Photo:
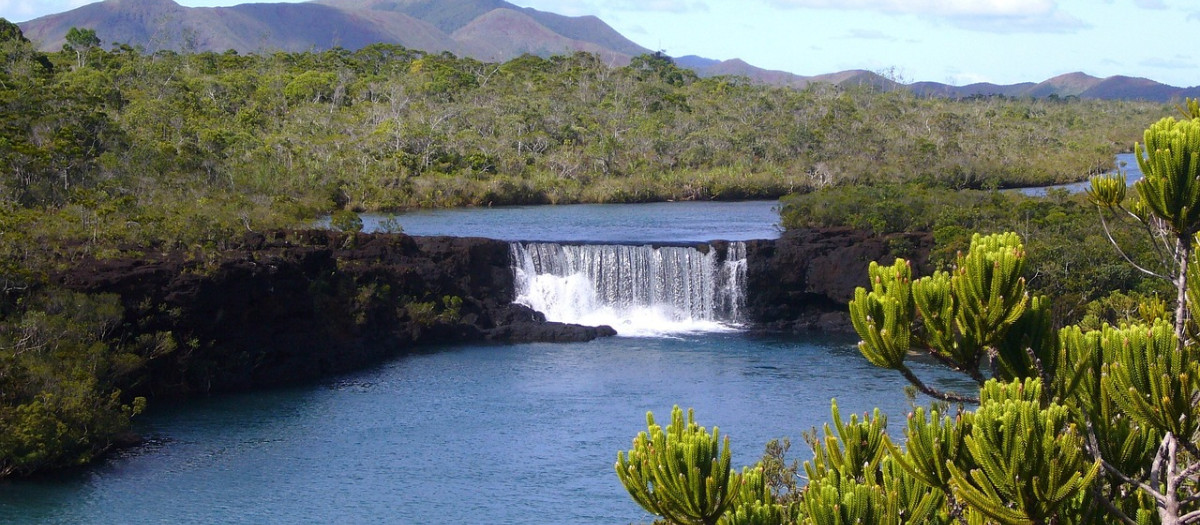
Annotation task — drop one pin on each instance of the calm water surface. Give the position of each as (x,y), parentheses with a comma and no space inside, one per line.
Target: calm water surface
(1126,163)
(520,434)
(598,223)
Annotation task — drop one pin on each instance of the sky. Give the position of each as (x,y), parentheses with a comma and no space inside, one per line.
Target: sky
(951,41)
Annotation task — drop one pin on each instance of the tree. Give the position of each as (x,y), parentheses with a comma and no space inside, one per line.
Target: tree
(1071,426)
(81,41)
(11,32)
(683,474)
(1124,395)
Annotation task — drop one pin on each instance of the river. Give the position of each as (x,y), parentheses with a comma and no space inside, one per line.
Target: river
(515,434)
(1126,163)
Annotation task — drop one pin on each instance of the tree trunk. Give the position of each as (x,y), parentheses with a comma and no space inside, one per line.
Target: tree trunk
(1183,251)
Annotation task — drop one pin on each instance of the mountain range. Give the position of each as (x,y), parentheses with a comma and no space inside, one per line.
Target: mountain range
(487,30)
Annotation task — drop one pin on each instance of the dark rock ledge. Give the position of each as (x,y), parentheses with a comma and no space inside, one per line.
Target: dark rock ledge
(288,307)
(804,280)
(291,306)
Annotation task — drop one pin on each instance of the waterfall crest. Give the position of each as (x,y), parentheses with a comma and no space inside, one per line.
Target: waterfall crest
(638,290)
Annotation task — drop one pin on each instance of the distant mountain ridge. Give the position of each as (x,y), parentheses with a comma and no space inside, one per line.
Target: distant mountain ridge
(487,30)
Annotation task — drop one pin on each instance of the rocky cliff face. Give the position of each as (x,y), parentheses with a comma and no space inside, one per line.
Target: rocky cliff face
(804,280)
(292,306)
(286,307)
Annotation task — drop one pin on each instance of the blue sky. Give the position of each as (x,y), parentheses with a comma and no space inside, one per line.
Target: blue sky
(951,41)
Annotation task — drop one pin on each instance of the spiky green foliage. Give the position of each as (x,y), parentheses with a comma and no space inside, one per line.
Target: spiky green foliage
(1107,190)
(883,316)
(755,505)
(841,500)
(852,478)
(1190,108)
(913,500)
(757,513)
(1122,399)
(1170,163)
(754,486)
(1193,296)
(681,473)
(964,312)
(931,444)
(851,449)
(961,317)
(1032,467)
(934,298)
(1124,445)
(990,289)
(896,499)
(1150,380)
(1030,349)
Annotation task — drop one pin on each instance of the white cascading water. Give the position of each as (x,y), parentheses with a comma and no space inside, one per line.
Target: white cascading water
(637,290)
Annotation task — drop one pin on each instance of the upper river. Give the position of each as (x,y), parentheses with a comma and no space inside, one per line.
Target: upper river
(597,223)
(515,434)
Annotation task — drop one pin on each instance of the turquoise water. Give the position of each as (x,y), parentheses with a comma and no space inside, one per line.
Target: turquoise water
(519,434)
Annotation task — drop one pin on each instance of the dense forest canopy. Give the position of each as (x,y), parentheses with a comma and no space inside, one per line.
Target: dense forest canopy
(155,146)
(117,151)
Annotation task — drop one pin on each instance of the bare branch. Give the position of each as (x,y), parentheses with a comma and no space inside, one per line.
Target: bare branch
(1121,252)
(1108,505)
(934,393)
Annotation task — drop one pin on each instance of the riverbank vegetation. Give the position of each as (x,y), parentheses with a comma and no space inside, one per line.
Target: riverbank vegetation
(1070,256)
(107,151)
(1058,426)
(133,146)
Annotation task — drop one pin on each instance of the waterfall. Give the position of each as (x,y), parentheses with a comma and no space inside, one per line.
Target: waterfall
(638,290)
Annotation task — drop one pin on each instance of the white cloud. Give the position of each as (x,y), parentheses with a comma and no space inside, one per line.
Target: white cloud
(562,7)
(958,78)
(668,6)
(870,34)
(598,7)
(1175,62)
(21,10)
(992,16)
(1057,22)
(1150,4)
(15,8)
(932,7)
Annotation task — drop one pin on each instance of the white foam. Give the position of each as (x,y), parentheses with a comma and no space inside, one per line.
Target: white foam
(640,291)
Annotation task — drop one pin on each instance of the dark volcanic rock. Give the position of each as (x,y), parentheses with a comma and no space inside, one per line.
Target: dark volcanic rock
(805,279)
(292,306)
(525,332)
(285,307)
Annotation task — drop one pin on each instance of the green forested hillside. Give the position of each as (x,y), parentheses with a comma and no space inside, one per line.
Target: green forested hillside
(160,146)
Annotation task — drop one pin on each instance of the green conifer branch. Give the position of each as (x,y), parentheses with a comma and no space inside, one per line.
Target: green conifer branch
(1031,460)
(1152,381)
(681,473)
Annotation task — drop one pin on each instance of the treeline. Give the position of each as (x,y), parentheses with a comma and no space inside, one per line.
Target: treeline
(1069,253)
(166,145)
(106,151)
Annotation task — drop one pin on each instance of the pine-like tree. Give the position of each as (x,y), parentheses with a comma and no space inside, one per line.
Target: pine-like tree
(681,473)
(1068,426)
(1074,426)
